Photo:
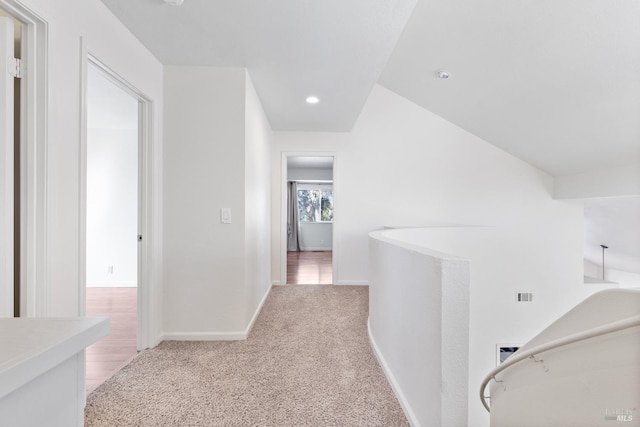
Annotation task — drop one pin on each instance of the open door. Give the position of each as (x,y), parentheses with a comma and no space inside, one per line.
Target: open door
(308,247)
(8,67)
(112,219)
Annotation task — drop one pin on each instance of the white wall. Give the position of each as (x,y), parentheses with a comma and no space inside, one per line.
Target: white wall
(204,172)
(112,206)
(624,279)
(316,236)
(258,141)
(402,165)
(419,327)
(505,260)
(612,182)
(320,174)
(592,270)
(216,156)
(112,183)
(110,41)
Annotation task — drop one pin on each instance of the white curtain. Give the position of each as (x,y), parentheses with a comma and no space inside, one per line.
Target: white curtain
(293,222)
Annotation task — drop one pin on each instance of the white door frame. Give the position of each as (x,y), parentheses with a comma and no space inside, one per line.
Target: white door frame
(145,310)
(283,210)
(7,158)
(33,162)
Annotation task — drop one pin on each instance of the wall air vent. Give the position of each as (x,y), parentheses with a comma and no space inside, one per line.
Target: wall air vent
(524,297)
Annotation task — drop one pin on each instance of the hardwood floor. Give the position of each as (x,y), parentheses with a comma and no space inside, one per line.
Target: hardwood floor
(309,268)
(112,353)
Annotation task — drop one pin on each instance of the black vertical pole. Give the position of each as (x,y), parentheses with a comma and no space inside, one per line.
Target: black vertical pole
(603,248)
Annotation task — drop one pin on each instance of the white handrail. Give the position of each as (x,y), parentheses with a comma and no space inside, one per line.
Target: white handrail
(619,325)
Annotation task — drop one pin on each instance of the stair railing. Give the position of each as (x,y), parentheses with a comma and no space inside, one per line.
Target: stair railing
(518,357)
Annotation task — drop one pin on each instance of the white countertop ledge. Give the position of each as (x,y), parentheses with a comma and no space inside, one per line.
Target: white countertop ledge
(31,346)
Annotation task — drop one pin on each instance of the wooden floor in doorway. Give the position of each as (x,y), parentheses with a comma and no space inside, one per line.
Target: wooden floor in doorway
(112,353)
(310,268)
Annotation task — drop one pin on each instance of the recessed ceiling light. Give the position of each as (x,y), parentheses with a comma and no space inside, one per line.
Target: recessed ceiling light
(312,100)
(443,74)
(174,2)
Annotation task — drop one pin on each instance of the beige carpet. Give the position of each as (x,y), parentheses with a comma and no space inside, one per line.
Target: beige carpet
(307,362)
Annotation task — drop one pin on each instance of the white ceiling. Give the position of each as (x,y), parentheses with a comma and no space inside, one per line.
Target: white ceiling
(333,49)
(554,82)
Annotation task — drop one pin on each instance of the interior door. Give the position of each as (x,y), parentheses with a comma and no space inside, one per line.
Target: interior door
(6,166)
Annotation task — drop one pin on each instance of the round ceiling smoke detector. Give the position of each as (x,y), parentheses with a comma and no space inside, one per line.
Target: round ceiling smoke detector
(443,74)
(174,2)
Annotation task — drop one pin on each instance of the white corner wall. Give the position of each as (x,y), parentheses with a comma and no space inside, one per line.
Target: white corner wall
(258,141)
(419,328)
(69,22)
(203,172)
(217,145)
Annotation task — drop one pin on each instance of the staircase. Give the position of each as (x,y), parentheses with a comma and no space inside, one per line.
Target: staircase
(582,370)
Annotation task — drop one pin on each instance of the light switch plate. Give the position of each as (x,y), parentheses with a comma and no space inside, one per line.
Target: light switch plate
(225,215)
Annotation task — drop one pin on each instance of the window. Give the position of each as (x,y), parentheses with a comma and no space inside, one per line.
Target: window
(315,204)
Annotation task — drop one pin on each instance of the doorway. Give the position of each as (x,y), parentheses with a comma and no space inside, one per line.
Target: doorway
(113,144)
(23,137)
(310,207)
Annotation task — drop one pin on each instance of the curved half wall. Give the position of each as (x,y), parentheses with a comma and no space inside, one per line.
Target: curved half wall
(419,327)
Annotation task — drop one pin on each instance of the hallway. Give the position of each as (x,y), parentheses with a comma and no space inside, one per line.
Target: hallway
(307,362)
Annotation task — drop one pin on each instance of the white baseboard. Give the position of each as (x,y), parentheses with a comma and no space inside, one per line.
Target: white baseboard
(340,283)
(316,249)
(406,408)
(353,282)
(204,336)
(257,312)
(112,284)
(218,336)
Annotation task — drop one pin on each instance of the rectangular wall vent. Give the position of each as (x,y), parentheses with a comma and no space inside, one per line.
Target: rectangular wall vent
(524,297)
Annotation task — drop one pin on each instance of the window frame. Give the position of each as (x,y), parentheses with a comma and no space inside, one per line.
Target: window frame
(318,186)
